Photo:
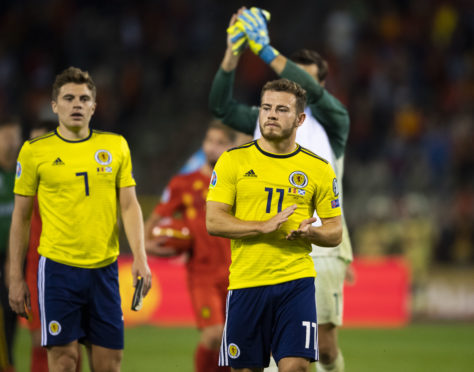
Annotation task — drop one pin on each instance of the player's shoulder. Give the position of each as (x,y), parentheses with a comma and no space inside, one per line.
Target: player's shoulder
(105,134)
(245,146)
(305,151)
(41,139)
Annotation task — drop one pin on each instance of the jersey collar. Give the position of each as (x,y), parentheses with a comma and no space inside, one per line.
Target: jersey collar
(72,141)
(279,156)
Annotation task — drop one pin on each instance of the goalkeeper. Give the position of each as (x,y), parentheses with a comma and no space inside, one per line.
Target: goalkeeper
(324,131)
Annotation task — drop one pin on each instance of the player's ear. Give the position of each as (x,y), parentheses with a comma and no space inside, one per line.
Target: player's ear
(54,106)
(93,107)
(300,119)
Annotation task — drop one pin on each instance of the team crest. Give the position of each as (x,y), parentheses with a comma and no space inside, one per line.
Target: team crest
(298,179)
(233,351)
(335,187)
(18,169)
(213,179)
(103,157)
(54,328)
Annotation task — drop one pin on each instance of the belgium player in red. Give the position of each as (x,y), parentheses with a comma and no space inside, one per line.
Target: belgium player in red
(178,223)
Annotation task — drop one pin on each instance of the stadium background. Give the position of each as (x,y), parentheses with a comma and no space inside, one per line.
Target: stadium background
(403,68)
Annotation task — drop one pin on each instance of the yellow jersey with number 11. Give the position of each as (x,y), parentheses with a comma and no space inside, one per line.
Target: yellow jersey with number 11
(258,185)
(76,183)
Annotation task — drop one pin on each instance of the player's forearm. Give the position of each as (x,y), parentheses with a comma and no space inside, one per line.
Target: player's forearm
(19,235)
(327,235)
(230,61)
(278,64)
(225,225)
(134,230)
(238,116)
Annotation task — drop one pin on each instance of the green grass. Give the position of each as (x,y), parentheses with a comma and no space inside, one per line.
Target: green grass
(416,348)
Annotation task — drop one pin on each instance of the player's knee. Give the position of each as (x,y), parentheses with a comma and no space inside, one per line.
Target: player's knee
(327,354)
(293,365)
(109,364)
(64,360)
(211,337)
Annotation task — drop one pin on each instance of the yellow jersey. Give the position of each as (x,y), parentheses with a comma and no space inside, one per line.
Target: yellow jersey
(258,185)
(76,183)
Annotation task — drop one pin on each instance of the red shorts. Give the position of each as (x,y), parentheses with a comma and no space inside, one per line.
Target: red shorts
(209,301)
(31,276)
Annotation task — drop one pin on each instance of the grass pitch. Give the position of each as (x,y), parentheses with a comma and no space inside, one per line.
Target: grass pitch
(415,348)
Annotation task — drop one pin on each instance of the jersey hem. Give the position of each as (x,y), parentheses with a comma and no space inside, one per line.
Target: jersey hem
(91,266)
(266,283)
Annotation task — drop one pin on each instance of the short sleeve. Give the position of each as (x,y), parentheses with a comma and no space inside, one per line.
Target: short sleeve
(125,175)
(327,199)
(223,181)
(26,180)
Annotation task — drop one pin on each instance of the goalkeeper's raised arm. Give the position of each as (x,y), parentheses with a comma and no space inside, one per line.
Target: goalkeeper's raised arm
(223,106)
(305,67)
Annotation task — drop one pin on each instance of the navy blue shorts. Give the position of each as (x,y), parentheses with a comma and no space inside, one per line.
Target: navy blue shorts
(79,304)
(279,318)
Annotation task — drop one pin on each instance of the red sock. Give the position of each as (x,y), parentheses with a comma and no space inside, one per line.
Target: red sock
(205,360)
(39,360)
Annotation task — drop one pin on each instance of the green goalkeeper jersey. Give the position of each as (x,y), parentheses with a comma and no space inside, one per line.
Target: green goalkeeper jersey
(325,131)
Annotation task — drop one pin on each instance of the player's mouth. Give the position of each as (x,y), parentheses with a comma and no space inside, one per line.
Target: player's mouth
(77,115)
(271,125)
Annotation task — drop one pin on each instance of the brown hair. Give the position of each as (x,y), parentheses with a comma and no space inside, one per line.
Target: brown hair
(310,57)
(229,132)
(73,75)
(285,85)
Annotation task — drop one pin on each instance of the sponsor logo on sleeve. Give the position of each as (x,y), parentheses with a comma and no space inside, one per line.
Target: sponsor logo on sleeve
(335,187)
(18,169)
(335,203)
(213,182)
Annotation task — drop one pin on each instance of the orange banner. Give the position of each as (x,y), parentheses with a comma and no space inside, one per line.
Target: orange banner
(380,296)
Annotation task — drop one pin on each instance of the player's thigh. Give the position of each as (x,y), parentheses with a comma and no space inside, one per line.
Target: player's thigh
(295,328)
(31,277)
(329,289)
(104,321)
(247,334)
(208,299)
(62,294)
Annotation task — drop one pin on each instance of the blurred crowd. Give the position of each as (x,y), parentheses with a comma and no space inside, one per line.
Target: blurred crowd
(404,69)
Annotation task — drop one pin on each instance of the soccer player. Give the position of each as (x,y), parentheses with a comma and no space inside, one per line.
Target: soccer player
(10,142)
(263,195)
(325,132)
(79,176)
(39,356)
(208,264)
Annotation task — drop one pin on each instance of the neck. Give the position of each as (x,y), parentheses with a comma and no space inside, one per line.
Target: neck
(73,135)
(206,169)
(284,146)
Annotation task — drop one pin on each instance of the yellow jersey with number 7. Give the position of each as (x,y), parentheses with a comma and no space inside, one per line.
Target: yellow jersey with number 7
(76,183)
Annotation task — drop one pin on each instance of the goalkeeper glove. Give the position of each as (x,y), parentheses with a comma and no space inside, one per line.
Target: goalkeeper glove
(254,22)
(237,37)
